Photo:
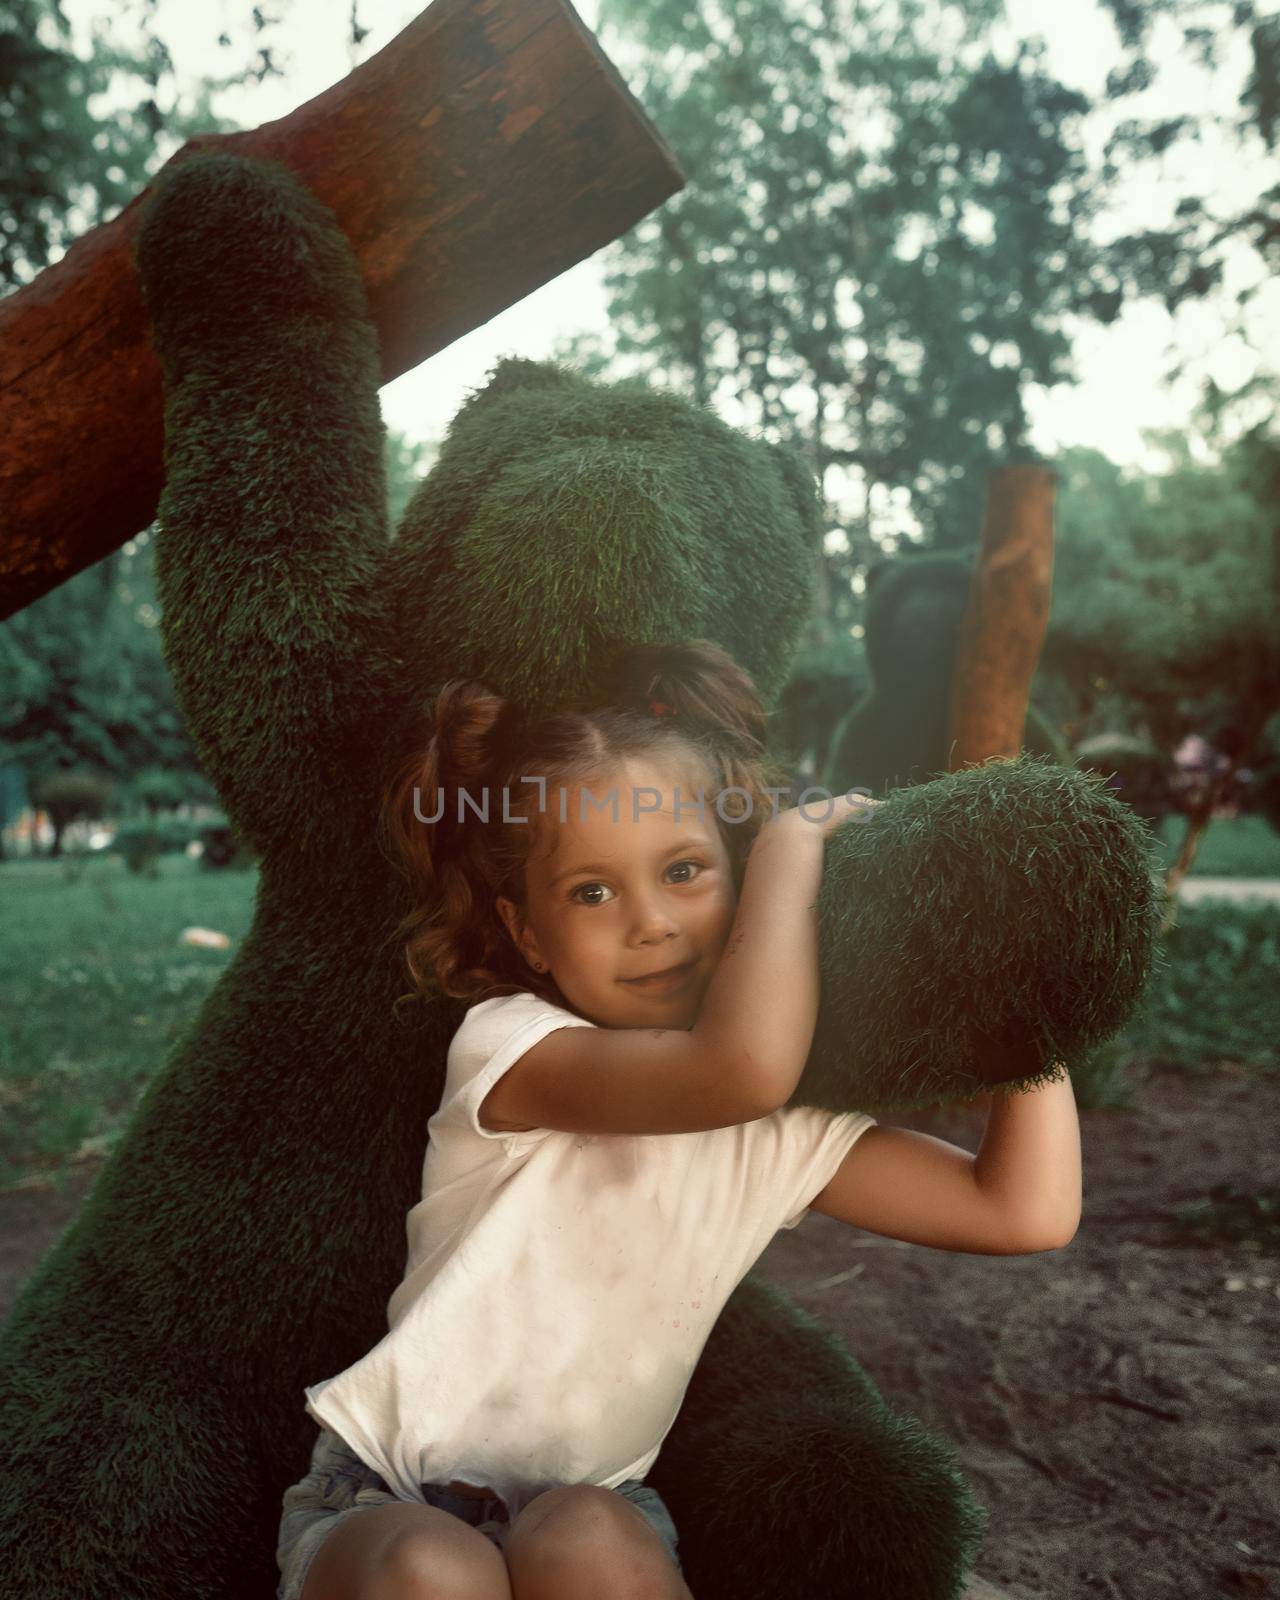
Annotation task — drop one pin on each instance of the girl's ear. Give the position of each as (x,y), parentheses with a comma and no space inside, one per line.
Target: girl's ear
(521,936)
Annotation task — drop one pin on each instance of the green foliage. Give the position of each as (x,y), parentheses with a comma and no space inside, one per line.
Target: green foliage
(70,796)
(157,789)
(1216,995)
(83,679)
(408,462)
(1165,586)
(1187,259)
(1166,590)
(879,213)
(141,844)
(65,165)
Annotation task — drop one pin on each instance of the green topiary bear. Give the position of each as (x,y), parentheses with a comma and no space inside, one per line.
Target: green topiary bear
(243,1239)
(895,734)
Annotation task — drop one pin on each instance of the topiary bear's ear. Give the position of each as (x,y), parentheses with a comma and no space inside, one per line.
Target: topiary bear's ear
(518,372)
(802,486)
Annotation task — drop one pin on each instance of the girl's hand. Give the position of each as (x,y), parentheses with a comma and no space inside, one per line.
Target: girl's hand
(843,807)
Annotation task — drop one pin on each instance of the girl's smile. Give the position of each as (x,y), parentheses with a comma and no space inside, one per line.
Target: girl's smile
(667,978)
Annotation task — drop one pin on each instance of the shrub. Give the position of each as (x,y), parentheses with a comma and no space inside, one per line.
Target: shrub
(1215,993)
(1135,771)
(223,847)
(141,844)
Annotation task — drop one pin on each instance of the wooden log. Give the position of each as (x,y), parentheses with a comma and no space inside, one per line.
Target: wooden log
(487,148)
(1005,620)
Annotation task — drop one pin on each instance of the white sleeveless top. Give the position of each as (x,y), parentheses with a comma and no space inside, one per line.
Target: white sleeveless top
(559,1287)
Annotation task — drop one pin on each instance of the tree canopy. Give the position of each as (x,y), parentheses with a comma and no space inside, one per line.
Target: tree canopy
(68,164)
(882,233)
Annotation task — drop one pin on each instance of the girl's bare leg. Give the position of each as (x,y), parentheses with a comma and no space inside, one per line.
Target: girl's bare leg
(406,1552)
(580,1542)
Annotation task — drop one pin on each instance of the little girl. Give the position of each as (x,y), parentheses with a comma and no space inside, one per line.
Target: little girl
(615,890)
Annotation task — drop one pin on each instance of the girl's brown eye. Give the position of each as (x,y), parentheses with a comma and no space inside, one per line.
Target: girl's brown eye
(574,893)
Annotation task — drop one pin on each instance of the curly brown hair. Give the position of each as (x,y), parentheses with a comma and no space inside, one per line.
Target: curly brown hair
(484,745)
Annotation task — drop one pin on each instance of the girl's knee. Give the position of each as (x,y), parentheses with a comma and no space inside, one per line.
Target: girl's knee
(583,1541)
(431,1563)
(405,1552)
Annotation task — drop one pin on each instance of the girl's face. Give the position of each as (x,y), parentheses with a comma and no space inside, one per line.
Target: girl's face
(614,900)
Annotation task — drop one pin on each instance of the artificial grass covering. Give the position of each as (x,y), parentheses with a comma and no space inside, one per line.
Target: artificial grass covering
(975,931)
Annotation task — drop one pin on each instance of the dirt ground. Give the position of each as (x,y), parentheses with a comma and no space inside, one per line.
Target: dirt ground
(1114,1404)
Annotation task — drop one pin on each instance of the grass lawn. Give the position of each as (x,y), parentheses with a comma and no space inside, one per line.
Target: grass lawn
(95,985)
(1231,847)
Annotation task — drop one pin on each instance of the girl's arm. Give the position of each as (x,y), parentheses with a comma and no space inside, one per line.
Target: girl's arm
(758,1016)
(1020,1193)
(742,1057)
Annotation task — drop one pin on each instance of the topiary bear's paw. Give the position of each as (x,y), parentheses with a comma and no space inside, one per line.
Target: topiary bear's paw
(977,931)
(231,250)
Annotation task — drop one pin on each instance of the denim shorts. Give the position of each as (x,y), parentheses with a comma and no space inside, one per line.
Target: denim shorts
(338,1484)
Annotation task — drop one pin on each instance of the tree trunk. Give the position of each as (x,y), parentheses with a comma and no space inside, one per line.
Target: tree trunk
(486,149)
(1002,634)
(1005,621)
(1197,822)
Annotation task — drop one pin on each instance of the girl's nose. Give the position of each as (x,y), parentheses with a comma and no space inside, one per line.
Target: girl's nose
(653,920)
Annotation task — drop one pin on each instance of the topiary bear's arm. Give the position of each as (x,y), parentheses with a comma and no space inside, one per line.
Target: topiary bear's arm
(273,518)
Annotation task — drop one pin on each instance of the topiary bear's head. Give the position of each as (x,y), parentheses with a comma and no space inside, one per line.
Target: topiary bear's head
(566,516)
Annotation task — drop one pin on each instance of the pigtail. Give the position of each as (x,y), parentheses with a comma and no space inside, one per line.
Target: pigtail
(450,926)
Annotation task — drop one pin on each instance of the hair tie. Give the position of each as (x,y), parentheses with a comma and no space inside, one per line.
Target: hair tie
(659,708)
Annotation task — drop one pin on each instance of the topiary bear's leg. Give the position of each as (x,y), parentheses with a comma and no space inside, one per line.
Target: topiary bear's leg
(241,1240)
(787,1475)
(137,1472)
(273,517)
